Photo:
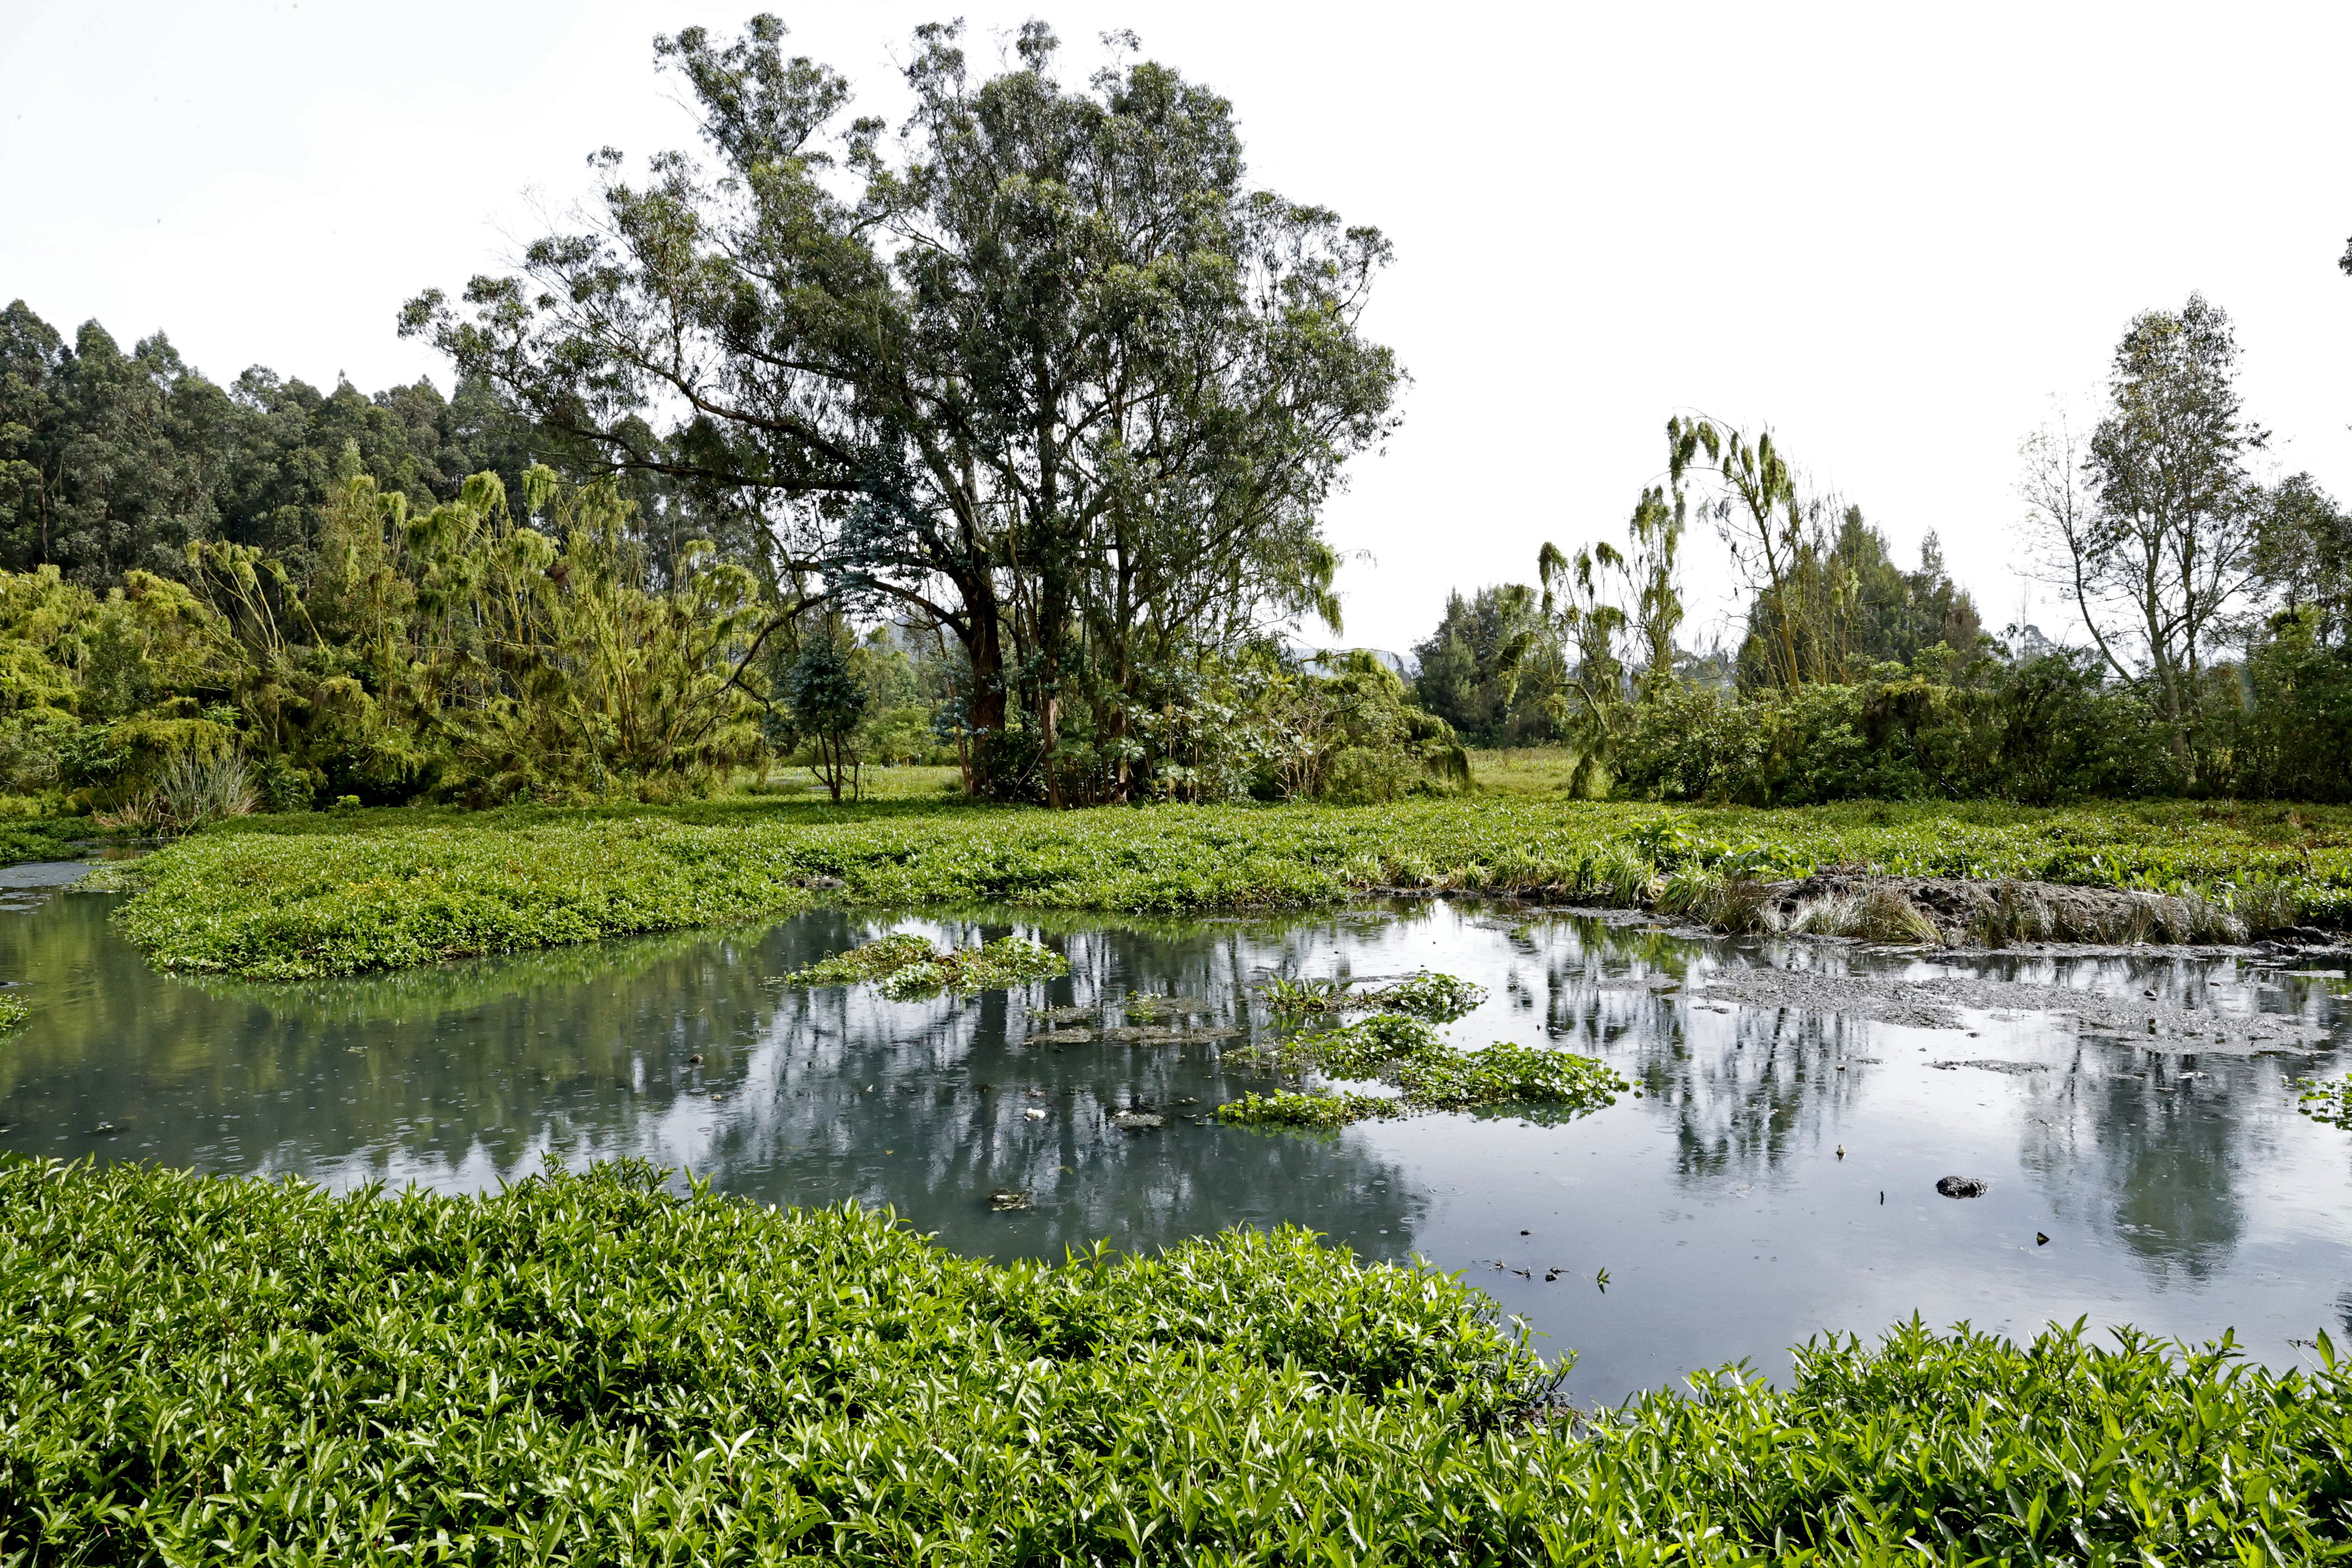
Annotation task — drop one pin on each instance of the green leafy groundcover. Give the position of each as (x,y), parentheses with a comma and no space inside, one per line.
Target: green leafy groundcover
(302,896)
(581,1369)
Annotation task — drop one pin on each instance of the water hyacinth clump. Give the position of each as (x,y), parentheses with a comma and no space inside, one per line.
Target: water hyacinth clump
(1441,999)
(12,1013)
(1369,1047)
(1410,1054)
(1507,1074)
(1286,1108)
(907,968)
(2330,1101)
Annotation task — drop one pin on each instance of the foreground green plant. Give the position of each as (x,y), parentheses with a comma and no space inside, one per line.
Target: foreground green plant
(908,967)
(585,1369)
(12,1013)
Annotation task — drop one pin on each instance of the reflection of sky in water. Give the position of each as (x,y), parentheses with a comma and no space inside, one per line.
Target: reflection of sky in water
(2180,1193)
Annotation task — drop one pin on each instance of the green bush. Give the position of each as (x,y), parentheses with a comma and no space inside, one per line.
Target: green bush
(584,1370)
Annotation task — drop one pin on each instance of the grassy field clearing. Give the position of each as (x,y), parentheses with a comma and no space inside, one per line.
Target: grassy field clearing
(281,898)
(584,1370)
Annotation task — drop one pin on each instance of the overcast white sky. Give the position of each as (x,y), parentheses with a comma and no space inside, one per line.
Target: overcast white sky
(1891,232)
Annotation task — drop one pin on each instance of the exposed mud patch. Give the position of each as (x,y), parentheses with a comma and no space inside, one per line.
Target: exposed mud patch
(1939,1003)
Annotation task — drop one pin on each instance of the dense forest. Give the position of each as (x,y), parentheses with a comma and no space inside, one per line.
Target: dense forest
(1005,441)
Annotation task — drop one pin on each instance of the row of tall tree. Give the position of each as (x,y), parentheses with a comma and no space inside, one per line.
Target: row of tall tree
(1035,386)
(2214,609)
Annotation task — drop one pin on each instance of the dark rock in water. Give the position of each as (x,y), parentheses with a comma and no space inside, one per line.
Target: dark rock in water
(1962,1187)
(1006,1199)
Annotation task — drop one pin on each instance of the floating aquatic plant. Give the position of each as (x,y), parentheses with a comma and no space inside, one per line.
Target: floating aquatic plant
(1441,999)
(1286,1108)
(2330,1101)
(907,968)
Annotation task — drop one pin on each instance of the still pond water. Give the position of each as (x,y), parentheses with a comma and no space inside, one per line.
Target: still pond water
(2180,1193)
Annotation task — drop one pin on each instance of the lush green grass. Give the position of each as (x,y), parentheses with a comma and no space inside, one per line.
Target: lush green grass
(585,1371)
(1523,770)
(910,781)
(295,897)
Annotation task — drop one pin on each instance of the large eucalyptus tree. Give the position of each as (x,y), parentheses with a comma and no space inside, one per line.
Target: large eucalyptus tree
(1039,368)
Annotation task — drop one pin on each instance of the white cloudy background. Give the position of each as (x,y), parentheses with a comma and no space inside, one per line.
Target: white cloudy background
(1892,232)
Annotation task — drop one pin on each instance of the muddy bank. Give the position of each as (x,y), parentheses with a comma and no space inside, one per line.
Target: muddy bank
(1993,915)
(1940,1003)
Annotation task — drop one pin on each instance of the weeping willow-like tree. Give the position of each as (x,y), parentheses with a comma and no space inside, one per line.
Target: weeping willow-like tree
(470,652)
(1604,604)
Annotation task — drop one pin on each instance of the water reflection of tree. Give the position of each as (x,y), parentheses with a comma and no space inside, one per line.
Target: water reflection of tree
(1737,1112)
(466,1076)
(2122,1139)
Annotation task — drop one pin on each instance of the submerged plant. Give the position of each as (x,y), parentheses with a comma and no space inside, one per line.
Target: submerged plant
(1285,1108)
(909,968)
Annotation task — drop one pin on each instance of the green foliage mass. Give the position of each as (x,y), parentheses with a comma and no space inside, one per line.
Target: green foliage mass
(1441,999)
(1409,1053)
(1370,1048)
(2330,1103)
(906,966)
(12,1013)
(298,896)
(1322,1112)
(583,1369)
(1507,1074)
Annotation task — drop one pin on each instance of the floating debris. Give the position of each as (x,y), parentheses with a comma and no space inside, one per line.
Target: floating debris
(1136,1121)
(1005,1200)
(1963,1187)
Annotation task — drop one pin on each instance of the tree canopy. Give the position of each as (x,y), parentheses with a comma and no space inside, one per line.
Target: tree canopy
(1041,368)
